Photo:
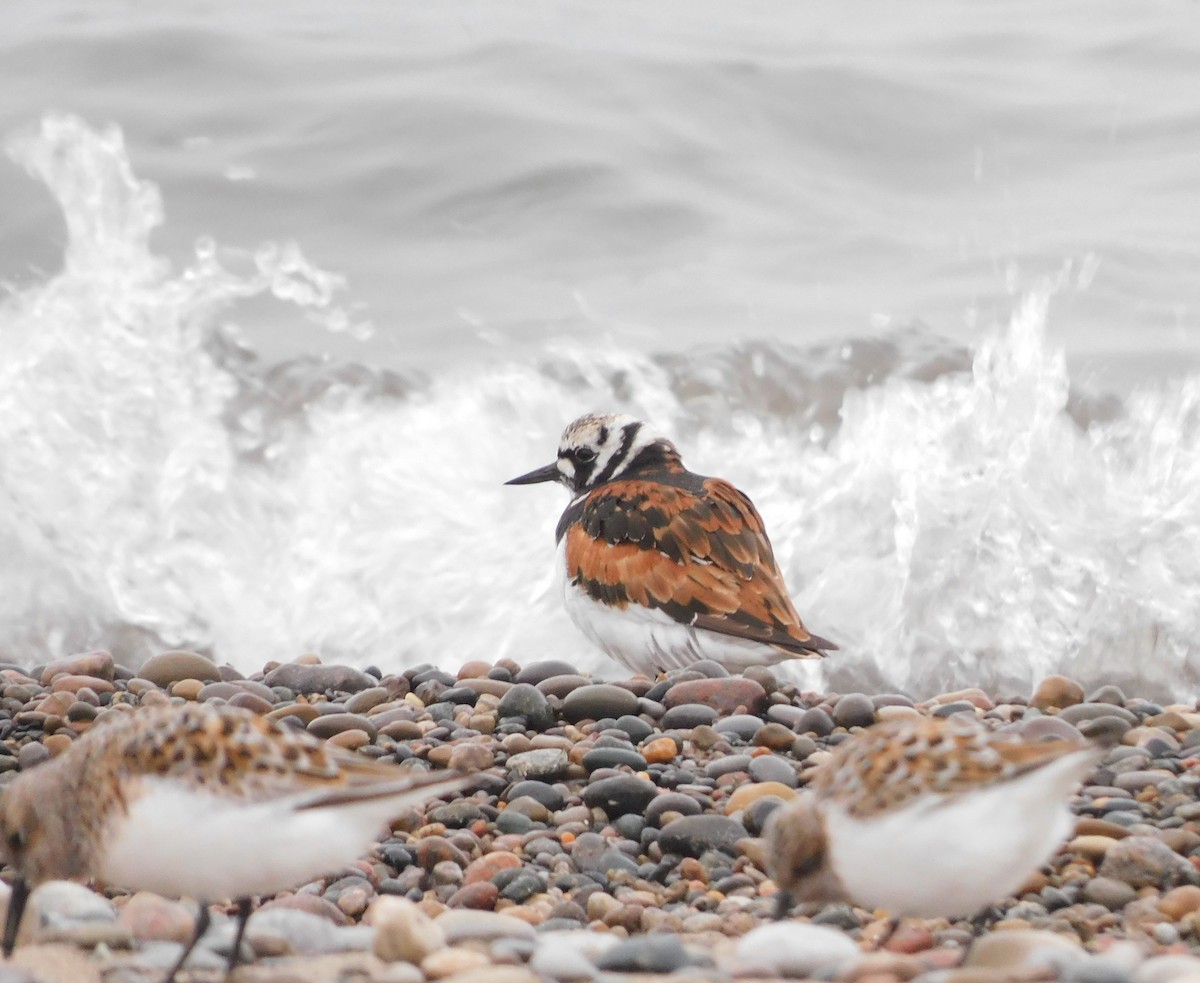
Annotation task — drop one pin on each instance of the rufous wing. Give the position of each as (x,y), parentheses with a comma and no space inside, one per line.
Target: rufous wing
(700,554)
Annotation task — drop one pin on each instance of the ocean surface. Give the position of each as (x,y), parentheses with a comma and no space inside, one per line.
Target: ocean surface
(291,289)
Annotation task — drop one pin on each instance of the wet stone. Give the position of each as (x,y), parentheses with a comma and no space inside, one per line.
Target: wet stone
(814,721)
(172,667)
(613,757)
(539,763)
(727,696)
(527,702)
(772,768)
(637,729)
(536,672)
(693,835)
(547,795)
(301,678)
(598,700)
(741,725)
(685,805)
(1143,861)
(687,716)
(645,954)
(854,710)
(619,795)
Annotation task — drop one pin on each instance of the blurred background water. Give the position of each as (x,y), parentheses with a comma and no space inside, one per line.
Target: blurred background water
(293,288)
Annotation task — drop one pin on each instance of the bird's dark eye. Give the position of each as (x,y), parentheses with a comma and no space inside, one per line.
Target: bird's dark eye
(584,454)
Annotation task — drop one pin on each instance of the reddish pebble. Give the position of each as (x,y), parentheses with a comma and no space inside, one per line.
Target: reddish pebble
(725,695)
(910,938)
(480,896)
(662,750)
(487,867)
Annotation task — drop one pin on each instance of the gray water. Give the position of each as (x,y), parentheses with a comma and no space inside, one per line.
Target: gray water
(293,288)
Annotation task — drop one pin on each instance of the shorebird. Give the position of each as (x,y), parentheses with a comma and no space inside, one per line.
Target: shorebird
(929,817)
(661,567)
(208,802)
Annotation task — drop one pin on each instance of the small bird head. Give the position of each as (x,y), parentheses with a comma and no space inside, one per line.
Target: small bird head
(601,447)
(36,839)
(796,855)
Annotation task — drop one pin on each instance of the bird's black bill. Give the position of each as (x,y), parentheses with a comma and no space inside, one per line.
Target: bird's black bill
(548,473)
(16,908)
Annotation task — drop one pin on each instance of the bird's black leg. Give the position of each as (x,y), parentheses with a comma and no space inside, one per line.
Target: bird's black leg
(202,920)
(16,908)
(243,916)
(783,904)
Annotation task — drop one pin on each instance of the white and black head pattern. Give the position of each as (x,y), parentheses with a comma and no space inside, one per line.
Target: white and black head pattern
(598,448)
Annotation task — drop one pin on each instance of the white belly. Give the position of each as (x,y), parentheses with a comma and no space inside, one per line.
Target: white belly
(953,857)
(647,640)
(179,842)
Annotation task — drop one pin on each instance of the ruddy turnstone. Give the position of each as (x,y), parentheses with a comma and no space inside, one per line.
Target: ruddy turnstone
(927,816)
(208,802)
(662,567)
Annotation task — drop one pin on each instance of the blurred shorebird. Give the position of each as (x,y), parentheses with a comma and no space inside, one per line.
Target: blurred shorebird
(661,567)
(928,817)
(208,802)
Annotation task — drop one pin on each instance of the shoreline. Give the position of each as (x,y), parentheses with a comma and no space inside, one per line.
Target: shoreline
(615,829)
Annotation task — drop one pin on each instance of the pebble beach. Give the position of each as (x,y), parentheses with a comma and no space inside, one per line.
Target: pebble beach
(614,833)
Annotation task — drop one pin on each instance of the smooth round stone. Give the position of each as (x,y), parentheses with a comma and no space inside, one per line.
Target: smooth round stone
(741,725)
(326,725)
(546,794)
(591,852)
(1091,711)
(560,686)
(1113,894)
(777,737)
(726,764)
(1180,902)
(1025,950)
(251,702)
(814,720)
(31,755)
(726,696)
(744,795)
(955,706)
(637,729)
(471,758)
(522,887)
(539,763)
(1113,695)
(756,814)
(515,822)
(795,950)
(597,701)
(619,795)
(99,664)
(661,750)
(1056,693)
(1042,728)
(772,768)
(688,715)
(463,925)
(172,667)
(645,954)
(854,710)
(479,897)
(1143,861)
(403,932)
(367,699)
(302,678)
(456,815)
(613,757)
(73,684)
(685,805)
(536,672)
(149,916)
(693,835)
(524,700)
